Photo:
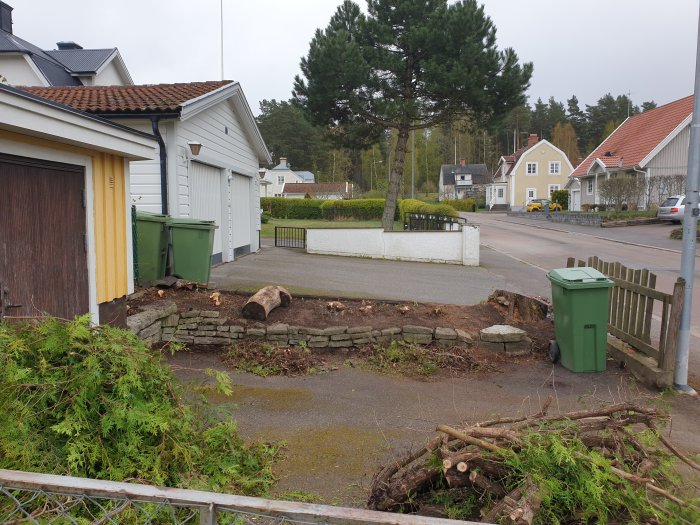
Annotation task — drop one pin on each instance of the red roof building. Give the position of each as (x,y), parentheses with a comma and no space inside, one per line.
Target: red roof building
(653,144)
(318,190)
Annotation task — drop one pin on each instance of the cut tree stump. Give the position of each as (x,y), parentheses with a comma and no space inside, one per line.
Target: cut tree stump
(264,301)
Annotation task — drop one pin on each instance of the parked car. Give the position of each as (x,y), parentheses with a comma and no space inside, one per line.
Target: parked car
(540,204)
(672,209)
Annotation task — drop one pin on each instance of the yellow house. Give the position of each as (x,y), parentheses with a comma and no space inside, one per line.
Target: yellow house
(65,225)
(532,172)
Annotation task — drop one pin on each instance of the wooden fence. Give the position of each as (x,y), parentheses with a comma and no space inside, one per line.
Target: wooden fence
(632,305)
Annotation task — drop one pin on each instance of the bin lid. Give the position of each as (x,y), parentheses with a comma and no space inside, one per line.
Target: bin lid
(583,277)
(195,224)
(150,216)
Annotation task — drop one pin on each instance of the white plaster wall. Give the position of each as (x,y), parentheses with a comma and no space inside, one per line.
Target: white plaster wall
(352,242)
(443,247)
(18,72)
(438,247)
(109,76)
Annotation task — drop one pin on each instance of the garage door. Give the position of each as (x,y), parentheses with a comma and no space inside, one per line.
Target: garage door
(43,260)
(205,199)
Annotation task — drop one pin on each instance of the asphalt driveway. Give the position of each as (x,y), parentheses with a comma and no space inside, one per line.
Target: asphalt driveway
(326,275)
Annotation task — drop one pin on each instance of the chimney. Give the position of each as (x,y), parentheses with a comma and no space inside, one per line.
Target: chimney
(532,139)
(65,45)
(283,162)
(462,162)
(5,17)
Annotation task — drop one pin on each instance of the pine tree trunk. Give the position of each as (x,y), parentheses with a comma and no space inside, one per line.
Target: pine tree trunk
(392,193)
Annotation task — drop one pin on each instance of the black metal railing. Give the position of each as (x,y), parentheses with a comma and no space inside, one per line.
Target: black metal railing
(416,221)
(289,237)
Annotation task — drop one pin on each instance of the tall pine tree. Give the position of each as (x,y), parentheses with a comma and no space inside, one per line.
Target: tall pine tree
(406,66)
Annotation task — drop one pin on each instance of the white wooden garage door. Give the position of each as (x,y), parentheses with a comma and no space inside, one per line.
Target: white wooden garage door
(205,199)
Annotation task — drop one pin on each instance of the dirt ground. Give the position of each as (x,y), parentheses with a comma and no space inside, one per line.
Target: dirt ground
(337,421)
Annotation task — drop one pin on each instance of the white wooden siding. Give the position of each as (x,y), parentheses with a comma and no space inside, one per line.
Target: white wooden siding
(145,174)
(673,159)
(205,198)
(224,145)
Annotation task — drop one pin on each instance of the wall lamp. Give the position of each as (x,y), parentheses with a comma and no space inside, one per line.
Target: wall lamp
(195,147)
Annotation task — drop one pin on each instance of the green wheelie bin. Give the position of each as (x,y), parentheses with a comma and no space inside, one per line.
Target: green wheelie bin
(192,243)
(151,245)
(581,314)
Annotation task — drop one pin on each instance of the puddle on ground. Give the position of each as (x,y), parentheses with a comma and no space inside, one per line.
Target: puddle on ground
(334,463)
(272,399)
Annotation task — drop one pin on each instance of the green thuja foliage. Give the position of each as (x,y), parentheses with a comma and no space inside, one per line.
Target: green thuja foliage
(96,402)
(576,482)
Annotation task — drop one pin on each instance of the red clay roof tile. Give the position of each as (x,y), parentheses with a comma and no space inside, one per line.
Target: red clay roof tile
(637,136)
(156,98)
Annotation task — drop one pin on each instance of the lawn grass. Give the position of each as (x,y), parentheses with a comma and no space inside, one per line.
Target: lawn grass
(268,230)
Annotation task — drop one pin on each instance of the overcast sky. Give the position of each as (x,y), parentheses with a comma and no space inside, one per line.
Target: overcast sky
(582,47)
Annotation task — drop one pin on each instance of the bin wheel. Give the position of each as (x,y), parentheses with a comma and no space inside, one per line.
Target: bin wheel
(553,351)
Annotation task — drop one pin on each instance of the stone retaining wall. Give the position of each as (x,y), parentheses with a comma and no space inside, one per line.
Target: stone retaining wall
(570,217)
(162,322)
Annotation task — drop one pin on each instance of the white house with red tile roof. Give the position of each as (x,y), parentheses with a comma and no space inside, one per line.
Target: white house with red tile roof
(532,172)
(217,182)
(653,145)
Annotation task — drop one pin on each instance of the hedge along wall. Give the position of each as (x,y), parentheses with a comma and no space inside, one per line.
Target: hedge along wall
(416,206)
(282,208)
(360,209)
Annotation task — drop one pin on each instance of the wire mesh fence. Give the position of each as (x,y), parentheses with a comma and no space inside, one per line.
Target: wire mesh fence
(29,498)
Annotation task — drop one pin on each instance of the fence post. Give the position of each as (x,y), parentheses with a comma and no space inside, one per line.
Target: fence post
(207,515)
(667,357)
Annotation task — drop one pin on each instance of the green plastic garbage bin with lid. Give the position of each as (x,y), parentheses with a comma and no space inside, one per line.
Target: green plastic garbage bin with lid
(151,245)
(192,243)
(581,313)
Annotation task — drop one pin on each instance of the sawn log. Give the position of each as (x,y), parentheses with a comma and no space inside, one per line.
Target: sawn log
(264,301)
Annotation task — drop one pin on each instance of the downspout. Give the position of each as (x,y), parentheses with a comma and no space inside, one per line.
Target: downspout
(163,165)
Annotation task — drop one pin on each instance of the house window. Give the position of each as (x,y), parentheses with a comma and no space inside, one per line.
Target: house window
(531,168)
(589,187)
(280,179)
(552,188)
(554,168)
(500,193)
(531,194)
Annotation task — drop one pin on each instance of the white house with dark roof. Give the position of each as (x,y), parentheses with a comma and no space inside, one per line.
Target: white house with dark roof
(459,181)
(24,64)
(209,156)
(282,174)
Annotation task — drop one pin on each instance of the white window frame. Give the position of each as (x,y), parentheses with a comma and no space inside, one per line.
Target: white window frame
(530,193)
(554,167)
(552,188)
(528,167)
(499,192)
(589,187)
(280,179)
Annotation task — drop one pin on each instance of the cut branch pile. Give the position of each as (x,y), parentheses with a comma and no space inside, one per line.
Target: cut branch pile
(605,465)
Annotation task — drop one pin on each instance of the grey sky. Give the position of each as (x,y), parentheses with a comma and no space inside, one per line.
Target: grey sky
(582,47)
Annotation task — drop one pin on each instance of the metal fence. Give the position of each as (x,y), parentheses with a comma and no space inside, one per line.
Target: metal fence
(26,497)
(415,221)
(289,237)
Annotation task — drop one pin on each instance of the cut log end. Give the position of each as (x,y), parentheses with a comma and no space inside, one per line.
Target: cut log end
(264,301)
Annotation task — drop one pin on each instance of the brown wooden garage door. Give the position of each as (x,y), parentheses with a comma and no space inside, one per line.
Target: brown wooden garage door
(43,260)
